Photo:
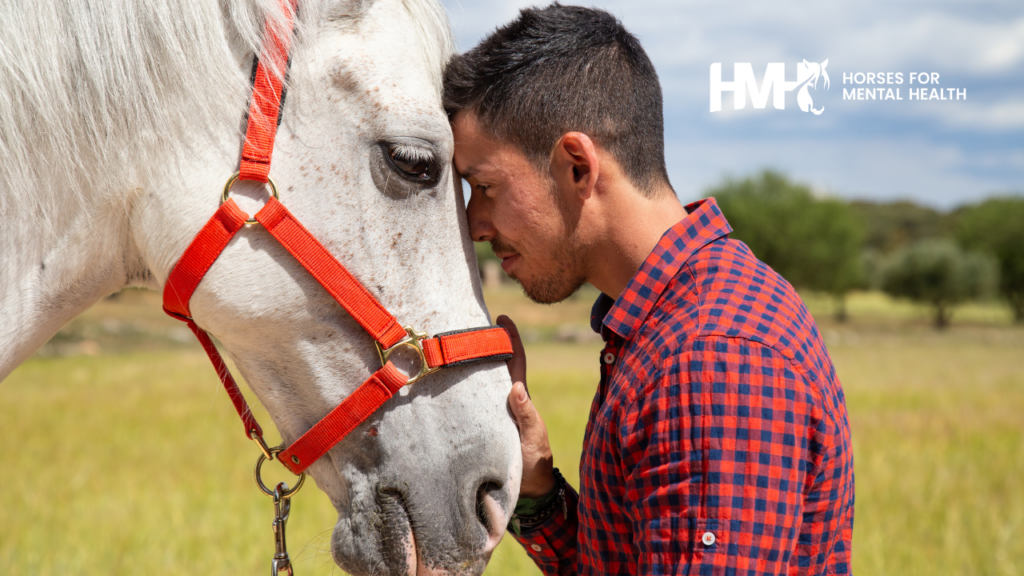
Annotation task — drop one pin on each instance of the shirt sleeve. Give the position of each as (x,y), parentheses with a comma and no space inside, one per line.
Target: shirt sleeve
(717,454)
(552,544)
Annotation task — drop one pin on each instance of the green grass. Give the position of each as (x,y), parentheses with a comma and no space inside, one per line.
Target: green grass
(122,455)
(136,465)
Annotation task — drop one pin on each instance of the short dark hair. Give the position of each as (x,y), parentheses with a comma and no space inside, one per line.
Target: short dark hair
(562,69)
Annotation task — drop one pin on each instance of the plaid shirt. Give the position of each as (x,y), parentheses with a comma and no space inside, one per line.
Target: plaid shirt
(718,441)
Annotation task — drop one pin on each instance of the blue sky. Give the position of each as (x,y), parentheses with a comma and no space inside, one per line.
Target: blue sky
(938,153)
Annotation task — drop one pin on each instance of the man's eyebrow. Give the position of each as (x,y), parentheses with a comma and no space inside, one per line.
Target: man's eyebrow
(468,173)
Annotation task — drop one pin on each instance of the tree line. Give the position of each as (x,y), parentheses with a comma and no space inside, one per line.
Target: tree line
(828,245)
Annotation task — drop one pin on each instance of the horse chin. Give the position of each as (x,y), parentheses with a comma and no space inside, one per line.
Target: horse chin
(391,547)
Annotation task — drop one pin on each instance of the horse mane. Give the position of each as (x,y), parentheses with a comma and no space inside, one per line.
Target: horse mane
(101,96)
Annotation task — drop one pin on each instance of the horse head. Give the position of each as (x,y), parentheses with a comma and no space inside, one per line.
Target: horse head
(362,159)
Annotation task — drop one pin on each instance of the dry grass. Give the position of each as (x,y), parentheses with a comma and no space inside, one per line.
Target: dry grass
(131,461)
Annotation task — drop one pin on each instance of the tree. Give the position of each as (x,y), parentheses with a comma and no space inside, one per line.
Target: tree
(940,274)
(813,243)
(996,227)
(893,225)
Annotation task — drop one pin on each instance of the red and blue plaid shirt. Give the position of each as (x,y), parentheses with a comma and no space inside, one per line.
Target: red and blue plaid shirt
(718,441)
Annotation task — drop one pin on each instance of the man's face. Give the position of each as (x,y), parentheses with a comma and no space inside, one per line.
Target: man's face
(516,208)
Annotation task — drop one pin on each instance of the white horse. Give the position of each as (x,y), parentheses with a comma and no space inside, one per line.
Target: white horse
(120,122)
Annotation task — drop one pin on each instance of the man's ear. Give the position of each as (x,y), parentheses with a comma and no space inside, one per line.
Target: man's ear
(575,165)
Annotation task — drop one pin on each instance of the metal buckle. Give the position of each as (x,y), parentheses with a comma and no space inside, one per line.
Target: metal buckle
(413,341)
(233,179)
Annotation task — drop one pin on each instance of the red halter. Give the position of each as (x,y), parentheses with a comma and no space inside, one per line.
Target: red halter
(449,349)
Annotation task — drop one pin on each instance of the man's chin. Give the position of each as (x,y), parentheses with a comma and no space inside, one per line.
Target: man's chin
(549,290)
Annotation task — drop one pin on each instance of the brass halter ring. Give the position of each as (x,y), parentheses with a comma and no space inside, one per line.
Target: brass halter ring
(411,341)
(234,178)
(259,481)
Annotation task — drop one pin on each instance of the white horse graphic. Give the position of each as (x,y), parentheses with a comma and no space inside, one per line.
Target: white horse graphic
(119,123)
(807,75)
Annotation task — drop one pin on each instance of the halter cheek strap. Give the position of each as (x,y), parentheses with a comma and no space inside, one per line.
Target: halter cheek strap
(451,349)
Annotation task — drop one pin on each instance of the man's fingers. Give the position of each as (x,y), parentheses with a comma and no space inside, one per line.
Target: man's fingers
(537,461)
(522,407)
(538,478)
(517,365)
(532,431)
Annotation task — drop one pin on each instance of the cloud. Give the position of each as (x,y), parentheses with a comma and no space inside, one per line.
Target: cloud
(1004,116)
(933,41)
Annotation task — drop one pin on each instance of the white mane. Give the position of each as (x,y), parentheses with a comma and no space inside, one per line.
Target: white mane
(99,95)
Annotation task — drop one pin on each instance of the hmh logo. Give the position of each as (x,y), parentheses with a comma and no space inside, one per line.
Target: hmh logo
(775,84)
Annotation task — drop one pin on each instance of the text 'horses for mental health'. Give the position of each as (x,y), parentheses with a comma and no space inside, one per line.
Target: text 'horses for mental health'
(120,122)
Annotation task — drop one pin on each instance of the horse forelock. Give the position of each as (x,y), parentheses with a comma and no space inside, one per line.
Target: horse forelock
(102,97)
(435,35)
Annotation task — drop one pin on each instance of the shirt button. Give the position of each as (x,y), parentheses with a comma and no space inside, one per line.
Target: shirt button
(609,358)
(536,547)
(708,538)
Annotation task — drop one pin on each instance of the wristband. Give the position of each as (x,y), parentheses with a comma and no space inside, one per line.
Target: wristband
(532,512)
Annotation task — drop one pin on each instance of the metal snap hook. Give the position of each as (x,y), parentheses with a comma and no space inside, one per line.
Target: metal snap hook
(282,508)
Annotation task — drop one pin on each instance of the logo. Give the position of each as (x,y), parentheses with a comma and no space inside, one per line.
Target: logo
(774,85)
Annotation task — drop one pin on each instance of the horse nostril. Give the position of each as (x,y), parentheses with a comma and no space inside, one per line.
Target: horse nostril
(485,511)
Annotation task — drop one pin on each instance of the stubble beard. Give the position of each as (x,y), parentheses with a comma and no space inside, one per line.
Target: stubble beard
(568,271)
(563,281)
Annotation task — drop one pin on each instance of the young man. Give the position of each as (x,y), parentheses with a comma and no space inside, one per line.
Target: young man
(718,440)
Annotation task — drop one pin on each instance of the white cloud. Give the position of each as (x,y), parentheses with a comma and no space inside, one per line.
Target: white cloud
(1003,116)
(1005,51)
(932,42)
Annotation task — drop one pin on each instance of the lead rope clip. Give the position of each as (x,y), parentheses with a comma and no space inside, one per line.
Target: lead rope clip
(282,506)
(282,496)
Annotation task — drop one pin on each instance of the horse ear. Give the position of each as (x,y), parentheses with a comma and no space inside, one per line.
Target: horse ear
(825,63)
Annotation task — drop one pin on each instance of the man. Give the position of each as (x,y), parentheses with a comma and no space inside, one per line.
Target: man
(718,440)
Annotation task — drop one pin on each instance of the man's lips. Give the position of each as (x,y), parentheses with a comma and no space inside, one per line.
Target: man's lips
(507,260)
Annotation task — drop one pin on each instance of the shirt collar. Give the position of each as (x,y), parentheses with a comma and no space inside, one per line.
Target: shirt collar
(704,223)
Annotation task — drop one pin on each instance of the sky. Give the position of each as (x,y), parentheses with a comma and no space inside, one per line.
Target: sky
(939,153)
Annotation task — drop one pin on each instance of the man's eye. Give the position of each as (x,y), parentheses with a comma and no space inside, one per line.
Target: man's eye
(414,163)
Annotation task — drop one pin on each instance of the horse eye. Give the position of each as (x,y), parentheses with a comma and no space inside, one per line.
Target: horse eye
(415,164)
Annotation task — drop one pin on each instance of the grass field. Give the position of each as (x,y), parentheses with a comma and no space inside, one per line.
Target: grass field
(122,455)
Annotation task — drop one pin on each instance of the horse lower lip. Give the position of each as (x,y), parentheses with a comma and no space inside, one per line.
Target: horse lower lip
(398,539)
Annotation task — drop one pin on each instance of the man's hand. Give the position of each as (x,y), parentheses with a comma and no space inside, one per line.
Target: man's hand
(538,478)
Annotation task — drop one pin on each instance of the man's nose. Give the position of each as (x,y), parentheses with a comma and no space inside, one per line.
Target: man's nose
(481,228)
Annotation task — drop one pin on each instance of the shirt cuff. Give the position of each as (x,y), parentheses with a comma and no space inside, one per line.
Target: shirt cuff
(552,544)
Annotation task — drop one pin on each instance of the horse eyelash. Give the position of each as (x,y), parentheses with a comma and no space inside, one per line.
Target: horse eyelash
(410,153)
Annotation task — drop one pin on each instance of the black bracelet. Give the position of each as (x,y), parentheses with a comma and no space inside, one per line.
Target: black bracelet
(531,513)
